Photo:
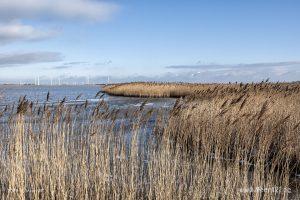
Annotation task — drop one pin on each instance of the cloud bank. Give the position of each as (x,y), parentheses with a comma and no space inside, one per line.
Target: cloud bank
(59,10)
(91,10)
(239,66)
(276,71)
(13,32)
(17,59)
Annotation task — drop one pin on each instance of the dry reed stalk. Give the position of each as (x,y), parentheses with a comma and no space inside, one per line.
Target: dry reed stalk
(94,152)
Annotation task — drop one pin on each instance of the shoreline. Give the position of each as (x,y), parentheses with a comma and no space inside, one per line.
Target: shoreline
(194,90)
(153,90)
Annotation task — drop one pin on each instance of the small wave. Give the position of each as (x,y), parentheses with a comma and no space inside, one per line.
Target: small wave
(140,104)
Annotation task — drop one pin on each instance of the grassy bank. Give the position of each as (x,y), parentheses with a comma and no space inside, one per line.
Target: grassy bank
(221,142)
(148,89)
(141,89)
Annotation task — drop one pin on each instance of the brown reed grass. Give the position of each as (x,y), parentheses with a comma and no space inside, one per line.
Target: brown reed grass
(235,142)
(153,89)
(141,89)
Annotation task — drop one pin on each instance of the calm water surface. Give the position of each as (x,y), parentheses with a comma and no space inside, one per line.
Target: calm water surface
(10,94)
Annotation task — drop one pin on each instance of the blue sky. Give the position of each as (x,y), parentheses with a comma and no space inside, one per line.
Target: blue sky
(196,41)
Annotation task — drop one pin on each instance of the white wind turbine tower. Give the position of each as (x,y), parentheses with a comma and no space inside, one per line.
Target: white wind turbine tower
(38,80)
(108,79)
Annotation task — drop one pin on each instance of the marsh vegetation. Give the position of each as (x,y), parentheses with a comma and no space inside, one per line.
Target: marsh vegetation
(231,141)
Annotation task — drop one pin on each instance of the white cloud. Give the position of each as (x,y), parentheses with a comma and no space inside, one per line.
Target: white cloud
(237,66)
(91,10)
(276,71)
(280,71)
(17,59)
(12,32)
(20,10)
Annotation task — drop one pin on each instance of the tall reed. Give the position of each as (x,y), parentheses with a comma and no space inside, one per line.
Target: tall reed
(243,145)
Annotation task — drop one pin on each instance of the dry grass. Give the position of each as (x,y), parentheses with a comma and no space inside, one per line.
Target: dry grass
(152,89)
(141,89)
(218,143)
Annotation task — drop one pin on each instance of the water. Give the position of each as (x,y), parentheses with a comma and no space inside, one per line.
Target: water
(10,94)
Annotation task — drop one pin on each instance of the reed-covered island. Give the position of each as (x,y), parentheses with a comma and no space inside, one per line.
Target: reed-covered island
(218,141)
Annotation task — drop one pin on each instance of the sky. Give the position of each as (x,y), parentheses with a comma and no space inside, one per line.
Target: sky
(133,40)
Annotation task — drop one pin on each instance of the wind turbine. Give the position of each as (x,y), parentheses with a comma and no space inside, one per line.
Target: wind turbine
(108,79)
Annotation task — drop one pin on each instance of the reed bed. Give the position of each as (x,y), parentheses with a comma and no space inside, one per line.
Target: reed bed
(141,89)
(177,90)
(222,142)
